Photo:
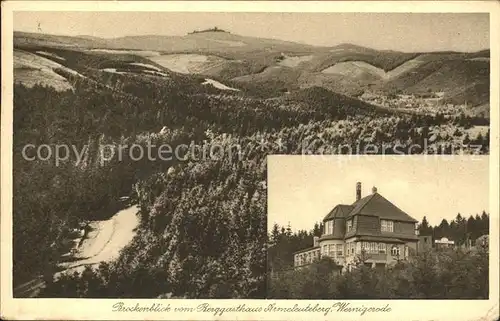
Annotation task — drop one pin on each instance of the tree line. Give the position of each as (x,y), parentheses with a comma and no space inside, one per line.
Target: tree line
(450,274)
(460,230)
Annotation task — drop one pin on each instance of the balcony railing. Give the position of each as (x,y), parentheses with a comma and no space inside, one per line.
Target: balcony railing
(376,256)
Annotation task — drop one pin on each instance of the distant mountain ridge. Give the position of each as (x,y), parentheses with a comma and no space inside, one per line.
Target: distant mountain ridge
(286,66)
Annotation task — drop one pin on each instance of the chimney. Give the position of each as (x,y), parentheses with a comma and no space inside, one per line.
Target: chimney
(358,191)
(315,241)
(374,190)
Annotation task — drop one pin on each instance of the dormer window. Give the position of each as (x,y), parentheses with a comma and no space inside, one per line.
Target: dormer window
(349,225)
(329,227)
(386,226)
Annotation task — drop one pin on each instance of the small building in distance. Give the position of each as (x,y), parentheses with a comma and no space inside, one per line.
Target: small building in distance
(371,227)
(214,29)
(444,243)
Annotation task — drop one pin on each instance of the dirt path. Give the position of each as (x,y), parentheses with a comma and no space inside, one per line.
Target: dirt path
(103,244)
(105,241)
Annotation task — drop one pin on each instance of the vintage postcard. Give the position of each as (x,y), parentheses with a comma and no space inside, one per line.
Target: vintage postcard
(250,161)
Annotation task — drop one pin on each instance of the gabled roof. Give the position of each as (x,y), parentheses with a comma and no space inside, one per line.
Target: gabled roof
(377,205)
(339,211)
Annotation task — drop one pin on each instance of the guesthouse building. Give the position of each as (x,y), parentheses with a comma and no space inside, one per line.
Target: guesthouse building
(371,229)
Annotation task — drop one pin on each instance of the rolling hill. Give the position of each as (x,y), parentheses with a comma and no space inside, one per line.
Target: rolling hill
(281,66)
(317,98)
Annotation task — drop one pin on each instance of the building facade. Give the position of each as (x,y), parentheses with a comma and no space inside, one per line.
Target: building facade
(372,230)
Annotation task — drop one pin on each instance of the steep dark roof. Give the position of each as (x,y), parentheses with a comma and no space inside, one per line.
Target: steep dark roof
(376,204)
(339,211)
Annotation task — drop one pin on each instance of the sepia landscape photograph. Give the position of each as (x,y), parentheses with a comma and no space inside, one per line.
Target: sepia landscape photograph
(378,228)
(142,144)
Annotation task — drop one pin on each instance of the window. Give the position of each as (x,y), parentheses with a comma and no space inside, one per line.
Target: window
(364,246)
(340,250)
(395,250)
(373,247)
(387,226)
(406,252)
(328,228)
(349,225)
(324,250)
(416,229)
(331,250)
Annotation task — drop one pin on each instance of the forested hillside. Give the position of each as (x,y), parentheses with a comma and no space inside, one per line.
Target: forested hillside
(435,275)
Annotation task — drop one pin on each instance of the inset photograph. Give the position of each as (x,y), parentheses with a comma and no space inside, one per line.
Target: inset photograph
(370,227)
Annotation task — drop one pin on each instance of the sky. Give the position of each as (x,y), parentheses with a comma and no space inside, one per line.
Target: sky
(408,32)
(303,189)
